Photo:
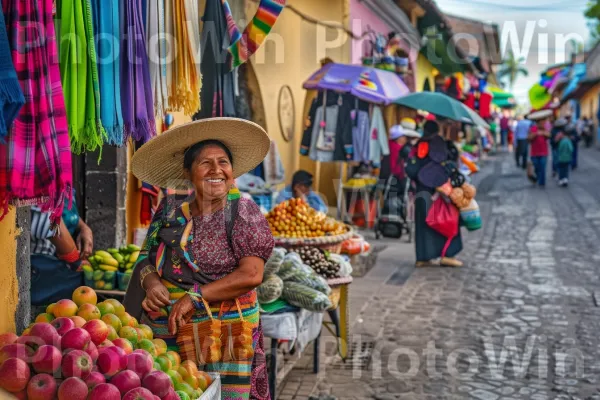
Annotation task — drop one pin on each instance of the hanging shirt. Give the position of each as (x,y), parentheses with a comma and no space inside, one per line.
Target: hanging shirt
(378,146)
(360,135)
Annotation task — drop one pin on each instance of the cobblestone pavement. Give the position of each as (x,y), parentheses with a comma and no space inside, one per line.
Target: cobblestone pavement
(519,321)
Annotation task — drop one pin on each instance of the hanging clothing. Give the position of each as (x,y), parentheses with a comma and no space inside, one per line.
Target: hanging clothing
(274,173)
(79,74)
(107,32)
(11,96)
(136,88)
(341,125)
(378,146)
(35,163)
(361,135)
(156,18)
(485,105)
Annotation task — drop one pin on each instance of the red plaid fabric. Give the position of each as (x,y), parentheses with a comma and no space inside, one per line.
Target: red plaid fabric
(35,164)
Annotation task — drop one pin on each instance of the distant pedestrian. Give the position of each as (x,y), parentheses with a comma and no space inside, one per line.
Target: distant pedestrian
(587,130)
(565,157)
(521,135)
(504,130)
(559,128)
(538,139)
(571,131)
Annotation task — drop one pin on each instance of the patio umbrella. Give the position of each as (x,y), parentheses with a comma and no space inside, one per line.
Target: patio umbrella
(443,106)
(369,84)
(539,97)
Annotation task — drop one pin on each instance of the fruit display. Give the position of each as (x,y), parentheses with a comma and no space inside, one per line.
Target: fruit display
(85,350)
(317,259)
(294,218)
(106,265)
(360,182)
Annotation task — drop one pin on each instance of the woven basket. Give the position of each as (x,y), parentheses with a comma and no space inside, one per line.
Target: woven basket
(332,244)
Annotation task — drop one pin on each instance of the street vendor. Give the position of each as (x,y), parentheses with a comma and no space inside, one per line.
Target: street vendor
(210,249)
(301,188)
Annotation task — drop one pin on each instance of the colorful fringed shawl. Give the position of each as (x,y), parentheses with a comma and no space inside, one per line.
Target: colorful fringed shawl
(35,164)
(157,53)
(79,75)
(136,87)
(11,96)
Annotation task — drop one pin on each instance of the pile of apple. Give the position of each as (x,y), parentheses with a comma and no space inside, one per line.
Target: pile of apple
(83,350)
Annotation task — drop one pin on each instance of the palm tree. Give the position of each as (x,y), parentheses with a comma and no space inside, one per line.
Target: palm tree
(512,68)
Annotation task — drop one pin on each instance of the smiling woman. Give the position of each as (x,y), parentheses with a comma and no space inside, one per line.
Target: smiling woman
(210,250)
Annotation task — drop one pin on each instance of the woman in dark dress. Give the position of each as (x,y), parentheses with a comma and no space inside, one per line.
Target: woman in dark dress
(430,165)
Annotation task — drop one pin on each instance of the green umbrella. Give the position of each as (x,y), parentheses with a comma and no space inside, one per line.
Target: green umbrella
(442,106)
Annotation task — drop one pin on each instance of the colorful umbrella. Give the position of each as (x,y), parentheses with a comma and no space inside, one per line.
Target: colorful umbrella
(539,97)
(369,84)
(443,106)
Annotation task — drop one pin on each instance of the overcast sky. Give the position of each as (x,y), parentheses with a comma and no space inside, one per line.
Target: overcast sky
(561,17)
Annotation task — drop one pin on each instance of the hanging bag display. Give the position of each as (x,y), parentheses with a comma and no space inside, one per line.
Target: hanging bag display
(201,341)
(326,139)
(236,337)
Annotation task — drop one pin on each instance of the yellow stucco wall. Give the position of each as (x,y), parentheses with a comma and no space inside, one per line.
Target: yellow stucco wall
(425,70)
(9,292)
(589,103)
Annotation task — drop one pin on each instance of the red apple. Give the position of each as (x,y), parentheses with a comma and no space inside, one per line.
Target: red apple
(64,308)
(171,395)
(22,395)
(156,397)
(14,375)
(140,363)
(84,295)
(95,379)
(33,342)
(47,360)
(16,350)
(124,344)
(46,332)
(111,361)
(79,322)
(77,339)
(41,387)
(105,391)
(73,389)
(97,329)
(92,350)
(158,383)
(139,394)
(76,363)
(63,325)
(7,338)
(125,381)
(106,343)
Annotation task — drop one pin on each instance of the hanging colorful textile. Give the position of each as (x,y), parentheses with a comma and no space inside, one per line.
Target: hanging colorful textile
(244,45)
(11,96)
(35,164)
(107,33)
(157,55)
(136,88)
(80,75)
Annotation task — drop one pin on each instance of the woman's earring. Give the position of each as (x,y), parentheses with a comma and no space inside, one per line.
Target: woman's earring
(234,193)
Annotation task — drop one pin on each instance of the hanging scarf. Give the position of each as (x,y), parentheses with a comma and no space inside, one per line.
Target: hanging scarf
(186,79)
(136,88)
(11,96)
(107,33)
(80,75)
(35,164)
(244,45)
(157,54)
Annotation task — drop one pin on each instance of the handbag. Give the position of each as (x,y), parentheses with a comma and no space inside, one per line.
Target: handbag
(201,341)
(236,337)
(325,138)
(443,218)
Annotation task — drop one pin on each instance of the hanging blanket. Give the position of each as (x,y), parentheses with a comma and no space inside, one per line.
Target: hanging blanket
(35,164)
(79,75)
(107,33)
(11,96)
(136,87)
(185,94)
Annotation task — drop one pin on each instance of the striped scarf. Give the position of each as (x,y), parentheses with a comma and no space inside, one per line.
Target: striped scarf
(35,164)
(11,96)
(79,75)
(244,45)
(157,52)
(107,33)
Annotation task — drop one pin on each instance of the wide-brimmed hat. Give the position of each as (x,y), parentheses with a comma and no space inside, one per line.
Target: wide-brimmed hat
(409,126)
(160,161)
(561,123)
(539,115)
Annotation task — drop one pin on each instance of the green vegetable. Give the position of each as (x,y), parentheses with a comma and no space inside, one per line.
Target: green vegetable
(301,296)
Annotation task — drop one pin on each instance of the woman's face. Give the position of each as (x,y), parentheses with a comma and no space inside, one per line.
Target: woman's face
(212,173)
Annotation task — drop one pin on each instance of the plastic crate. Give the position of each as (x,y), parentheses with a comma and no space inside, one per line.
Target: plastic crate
(123,281)
(263,200)
(101,280)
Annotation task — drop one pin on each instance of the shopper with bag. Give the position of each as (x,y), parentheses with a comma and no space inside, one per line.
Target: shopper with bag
(437,237)
(538,138)
(204,257)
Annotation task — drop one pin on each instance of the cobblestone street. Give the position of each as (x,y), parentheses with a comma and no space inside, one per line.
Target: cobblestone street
(519,321)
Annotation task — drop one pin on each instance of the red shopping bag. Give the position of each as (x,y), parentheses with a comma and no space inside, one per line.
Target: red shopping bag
(443,218)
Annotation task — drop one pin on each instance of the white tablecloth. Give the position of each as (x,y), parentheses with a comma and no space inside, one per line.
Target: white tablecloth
(301,327)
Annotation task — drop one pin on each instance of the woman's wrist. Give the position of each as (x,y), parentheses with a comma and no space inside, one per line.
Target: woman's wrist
(71,257)
(147,274)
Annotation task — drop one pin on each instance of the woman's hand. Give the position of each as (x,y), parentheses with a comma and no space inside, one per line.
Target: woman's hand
(85,240)
(176,317)
(157,297)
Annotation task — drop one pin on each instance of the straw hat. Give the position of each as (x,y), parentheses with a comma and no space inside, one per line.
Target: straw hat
(409,126)
(160,161)
(539,115)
